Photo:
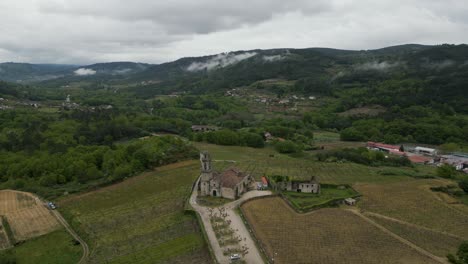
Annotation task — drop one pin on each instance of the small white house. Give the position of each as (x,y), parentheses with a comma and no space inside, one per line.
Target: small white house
(350,201)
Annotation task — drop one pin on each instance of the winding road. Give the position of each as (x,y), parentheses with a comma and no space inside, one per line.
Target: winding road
(67,227)
(253,255)
(74,235)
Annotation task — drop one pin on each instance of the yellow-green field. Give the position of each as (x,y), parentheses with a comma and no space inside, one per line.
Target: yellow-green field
(140,220)
(436,222)
(330,235)
(414,202)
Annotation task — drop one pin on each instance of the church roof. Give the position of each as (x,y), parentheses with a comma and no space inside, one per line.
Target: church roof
(230,177)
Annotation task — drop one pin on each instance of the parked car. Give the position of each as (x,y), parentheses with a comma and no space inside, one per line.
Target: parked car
(234,257)
(51,205)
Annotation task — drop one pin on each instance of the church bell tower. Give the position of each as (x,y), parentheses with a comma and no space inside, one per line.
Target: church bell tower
(206,173)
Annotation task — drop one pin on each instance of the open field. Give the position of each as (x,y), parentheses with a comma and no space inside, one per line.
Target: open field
(414,202)
(140,220)
(57,247)
(323,236)
(26,216)
(258,162)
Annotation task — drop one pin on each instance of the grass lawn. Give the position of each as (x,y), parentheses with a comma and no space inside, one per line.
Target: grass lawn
(307,201)
(140,220)
(54,248)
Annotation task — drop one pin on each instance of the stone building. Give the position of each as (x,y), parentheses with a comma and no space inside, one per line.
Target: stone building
(230,184)
(311,186)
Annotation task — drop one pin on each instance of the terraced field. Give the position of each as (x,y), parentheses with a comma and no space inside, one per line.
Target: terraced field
(329,235)
(140,220)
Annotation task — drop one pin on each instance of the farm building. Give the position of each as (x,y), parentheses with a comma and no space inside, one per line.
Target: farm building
(425,151)
(459,161)
(202,128)
(384,147)
(311,186)
(230,184)
(350,201)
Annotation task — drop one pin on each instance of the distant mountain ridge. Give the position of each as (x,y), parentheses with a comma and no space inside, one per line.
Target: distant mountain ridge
(27,73)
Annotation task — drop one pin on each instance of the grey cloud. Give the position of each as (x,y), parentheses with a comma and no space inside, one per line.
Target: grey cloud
(378,66)
(273,58)
(186,16)
(220,61)
(84,72)
(90,31)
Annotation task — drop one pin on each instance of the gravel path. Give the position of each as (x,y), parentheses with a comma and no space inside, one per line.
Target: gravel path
(253,256)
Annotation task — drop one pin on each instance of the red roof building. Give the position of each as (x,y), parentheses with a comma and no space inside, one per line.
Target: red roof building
(382,146)
(264,181)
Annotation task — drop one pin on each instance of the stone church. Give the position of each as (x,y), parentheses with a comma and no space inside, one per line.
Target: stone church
(230,184)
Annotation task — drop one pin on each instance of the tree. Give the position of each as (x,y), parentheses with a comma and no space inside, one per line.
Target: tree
(286,146)
(461,256)
(253,140)
(463,184)
(446,171)
(351,134)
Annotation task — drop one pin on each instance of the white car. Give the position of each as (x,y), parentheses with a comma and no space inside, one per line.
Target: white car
(234,257)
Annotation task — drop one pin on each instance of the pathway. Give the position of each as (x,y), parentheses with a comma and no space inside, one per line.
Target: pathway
(253,256)
(68,228)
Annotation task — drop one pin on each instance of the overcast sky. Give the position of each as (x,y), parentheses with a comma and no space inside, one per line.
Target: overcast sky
(154,31)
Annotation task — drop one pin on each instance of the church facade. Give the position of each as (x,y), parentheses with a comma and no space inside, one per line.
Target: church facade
(230,184)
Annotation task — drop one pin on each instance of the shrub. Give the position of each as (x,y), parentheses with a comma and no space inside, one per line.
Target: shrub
(286,147)
(446,171)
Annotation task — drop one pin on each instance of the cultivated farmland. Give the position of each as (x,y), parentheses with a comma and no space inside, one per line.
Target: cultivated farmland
(329,235)
(435,242)
(415,203)
(26,216)
(140,220)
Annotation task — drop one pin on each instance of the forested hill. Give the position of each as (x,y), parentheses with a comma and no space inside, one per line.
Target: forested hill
(401,75)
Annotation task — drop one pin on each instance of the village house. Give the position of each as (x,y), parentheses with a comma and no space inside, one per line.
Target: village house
(457,160)
(311,186)
(230,184)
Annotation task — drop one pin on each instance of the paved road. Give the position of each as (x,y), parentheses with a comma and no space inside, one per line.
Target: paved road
(253,256)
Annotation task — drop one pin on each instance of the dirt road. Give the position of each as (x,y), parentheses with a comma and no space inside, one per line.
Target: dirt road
(64,223)
(253,256)
(74,235)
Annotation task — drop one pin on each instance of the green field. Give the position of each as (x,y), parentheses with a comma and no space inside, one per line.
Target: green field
(258,162)
(57,247)
(328,193)
(140,220)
